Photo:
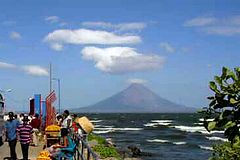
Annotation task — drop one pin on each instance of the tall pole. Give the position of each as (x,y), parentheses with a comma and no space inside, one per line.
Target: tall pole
(50,77)
(59,105)
(59,93)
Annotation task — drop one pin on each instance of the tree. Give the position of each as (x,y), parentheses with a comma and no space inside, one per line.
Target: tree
(224,106)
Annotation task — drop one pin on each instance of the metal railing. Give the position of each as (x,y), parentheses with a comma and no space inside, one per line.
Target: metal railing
(83,150)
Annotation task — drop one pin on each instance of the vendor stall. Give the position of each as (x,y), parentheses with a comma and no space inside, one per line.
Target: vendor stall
(52,135)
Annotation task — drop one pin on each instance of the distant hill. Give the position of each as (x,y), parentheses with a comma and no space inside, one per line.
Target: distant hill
(135,99)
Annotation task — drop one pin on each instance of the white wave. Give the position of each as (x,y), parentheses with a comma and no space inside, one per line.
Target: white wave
(208,120)
(164,124)
(200,124)
(156,123)
(108,126)
(128,129)
(193,129)
(96,121)
(111,129)
(162,121)
(217,139)
(103,128)
(101,132)
(179,143)
(206,148)
(157,140)
(217,131)
(150,124)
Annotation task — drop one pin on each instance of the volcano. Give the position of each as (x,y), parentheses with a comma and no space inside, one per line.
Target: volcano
(136,99)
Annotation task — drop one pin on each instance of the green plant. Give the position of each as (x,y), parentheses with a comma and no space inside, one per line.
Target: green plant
(225,151)
(224,105)
(105,151)
(224,108)
(99,139)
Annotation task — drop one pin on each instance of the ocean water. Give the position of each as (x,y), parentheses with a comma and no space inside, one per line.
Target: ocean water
(165,136)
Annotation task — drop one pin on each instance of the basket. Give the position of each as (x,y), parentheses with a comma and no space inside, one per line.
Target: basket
(86,125)
(53,128)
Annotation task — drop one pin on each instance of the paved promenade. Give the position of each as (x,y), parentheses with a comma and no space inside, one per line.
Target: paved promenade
(33,151)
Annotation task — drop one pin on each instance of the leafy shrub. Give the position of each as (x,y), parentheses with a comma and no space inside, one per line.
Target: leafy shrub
(224,108)
(224,105)
(105,151)
(99,139)
(225,151)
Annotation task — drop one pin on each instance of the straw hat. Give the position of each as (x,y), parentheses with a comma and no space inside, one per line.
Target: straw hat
(86,125)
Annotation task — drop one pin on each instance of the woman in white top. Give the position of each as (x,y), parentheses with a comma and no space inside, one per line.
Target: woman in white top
(67,122)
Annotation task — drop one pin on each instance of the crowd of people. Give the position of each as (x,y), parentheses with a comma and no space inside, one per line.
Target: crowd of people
(69,124)
(26,129)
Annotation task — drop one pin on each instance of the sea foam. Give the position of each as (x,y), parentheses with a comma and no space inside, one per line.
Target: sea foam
(179,143)
(155,123)
(101,132)
(165,141)
(208,120)
(96,121)
(217,139)
(157,140)
(206,148)
(112,129)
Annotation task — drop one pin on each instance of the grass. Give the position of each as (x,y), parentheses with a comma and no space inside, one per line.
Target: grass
(106,152)
(99,139)
(102,149)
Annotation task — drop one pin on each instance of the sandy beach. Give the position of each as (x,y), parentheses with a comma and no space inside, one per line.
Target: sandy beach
(33,151)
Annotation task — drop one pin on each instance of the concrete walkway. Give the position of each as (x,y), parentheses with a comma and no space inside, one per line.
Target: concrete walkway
(33,152)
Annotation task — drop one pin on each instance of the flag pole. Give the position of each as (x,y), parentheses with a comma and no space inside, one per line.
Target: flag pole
(50,77)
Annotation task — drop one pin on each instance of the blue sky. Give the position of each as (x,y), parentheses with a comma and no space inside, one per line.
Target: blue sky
(97,48)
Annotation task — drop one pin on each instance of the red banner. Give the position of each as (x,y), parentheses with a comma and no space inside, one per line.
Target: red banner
(50,110)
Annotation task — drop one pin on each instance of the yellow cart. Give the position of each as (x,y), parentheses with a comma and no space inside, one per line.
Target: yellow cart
(53,136)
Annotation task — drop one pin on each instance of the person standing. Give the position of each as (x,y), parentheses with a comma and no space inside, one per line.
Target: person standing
(10,129)
(1,129)
(25,131)
(67,122)
(35,123)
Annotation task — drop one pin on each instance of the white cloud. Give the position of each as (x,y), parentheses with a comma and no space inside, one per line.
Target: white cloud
(222,30)
(8,23)
(235,20)
(119,26)
(225,26)
(136,80)
(52,19)
(6,65)
(85,36)
(29,69)
(119,60)
(15,35)
(167,47)
(200,21)
(56,47)
(97,24)
(35,70)
(62,24)
(131,26)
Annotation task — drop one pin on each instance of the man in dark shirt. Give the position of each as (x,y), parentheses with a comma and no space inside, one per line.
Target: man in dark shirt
(10,128)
